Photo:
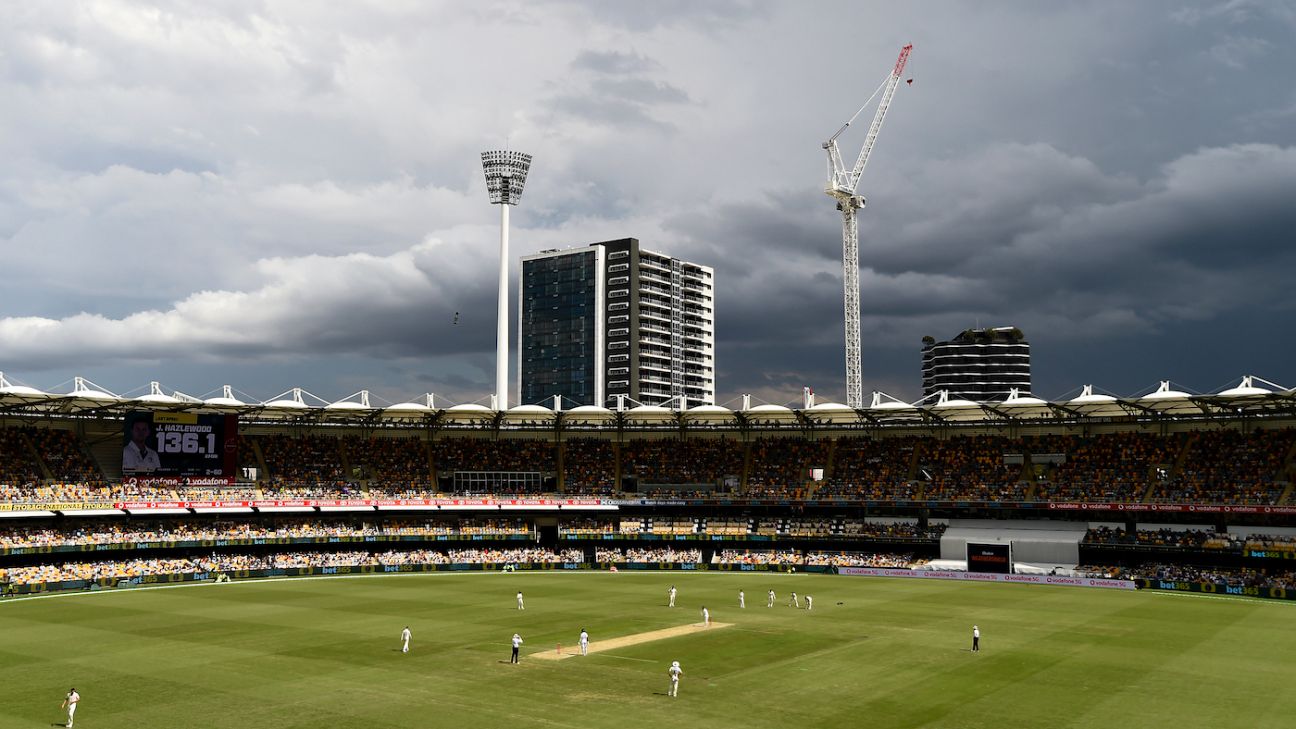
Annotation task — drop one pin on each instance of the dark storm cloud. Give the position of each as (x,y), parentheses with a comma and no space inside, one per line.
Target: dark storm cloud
(613,99)
(614,63)
(1078,258)
(638,90)
(382,306)
(607,111)
(235,191)
(641,17)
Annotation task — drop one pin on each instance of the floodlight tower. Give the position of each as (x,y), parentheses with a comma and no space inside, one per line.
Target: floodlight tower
(506,173)
(842,184)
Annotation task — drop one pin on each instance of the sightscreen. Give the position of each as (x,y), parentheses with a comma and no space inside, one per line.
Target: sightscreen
(179,444)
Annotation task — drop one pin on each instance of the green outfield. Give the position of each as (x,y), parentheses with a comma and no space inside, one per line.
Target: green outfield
(324,653)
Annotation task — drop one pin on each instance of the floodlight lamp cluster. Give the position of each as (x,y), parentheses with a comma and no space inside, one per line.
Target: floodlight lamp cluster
(506,173)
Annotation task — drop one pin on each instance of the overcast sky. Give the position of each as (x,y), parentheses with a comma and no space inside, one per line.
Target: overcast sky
(271,194)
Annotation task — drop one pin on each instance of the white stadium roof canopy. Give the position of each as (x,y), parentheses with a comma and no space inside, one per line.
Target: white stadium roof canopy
(1249,395)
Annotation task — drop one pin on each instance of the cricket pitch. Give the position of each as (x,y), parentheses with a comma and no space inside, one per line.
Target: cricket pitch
(628,640)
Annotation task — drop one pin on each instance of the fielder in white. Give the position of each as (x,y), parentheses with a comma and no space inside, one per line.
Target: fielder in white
(405,636)
(770,604)
(742,599)
(672,597)
(584,642)
(70,703)
(795,601)
(521,606)
(809,603)
(706,617)
(675,672)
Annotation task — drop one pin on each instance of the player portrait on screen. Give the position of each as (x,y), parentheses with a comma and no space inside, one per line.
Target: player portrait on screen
(138,456)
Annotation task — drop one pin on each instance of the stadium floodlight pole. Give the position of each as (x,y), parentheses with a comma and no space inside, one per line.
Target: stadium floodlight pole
(506,173)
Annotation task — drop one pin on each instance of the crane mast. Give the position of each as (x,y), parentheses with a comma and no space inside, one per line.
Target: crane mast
(842,186)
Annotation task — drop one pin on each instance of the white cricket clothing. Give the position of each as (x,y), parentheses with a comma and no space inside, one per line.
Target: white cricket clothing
(771,599)
(521,606)
(672,597)
(976,632)
(517,640)
(742,599)
(706,617)
(137,459)
(405,637)
(71,701)
(809,603)
(675,673)
(584,643)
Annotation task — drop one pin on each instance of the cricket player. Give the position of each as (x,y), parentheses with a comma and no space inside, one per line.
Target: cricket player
(672,597)
(584,642)
(521,605)
(809,603)
(517,643)
(70,703)
(795,601)
(976,643)
(675,672)
(742,599)
(706,617)
(770,604)
(405,636)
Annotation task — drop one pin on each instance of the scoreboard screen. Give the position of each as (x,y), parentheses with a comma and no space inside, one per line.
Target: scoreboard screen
(989,558)
(179,444)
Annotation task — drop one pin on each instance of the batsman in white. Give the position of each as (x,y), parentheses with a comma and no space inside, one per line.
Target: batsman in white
(70,703)
(405,636)
(675,672)
(584,642)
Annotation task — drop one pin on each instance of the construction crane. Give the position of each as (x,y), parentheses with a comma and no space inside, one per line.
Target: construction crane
(842,184)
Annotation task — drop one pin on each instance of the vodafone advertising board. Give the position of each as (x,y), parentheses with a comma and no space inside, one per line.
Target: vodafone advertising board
(989,577)
(489,503)
(1173,508)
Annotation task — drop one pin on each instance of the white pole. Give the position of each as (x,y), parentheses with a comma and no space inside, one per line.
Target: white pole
(502,319)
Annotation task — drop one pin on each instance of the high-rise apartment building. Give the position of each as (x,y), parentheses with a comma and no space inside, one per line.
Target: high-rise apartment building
(978,364)
(614,319)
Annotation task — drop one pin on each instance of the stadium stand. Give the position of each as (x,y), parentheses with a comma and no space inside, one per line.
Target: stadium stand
(873,469)
(589,466)
(781,466)
(724,497)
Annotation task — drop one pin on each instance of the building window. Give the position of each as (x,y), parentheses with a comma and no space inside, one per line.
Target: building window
(619,319)
(622,306)
(618,280)
(619,371)
(618,267)
(618,332)
(618,345)
(618,293)
(619,383)
(618,254)
(619,358)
